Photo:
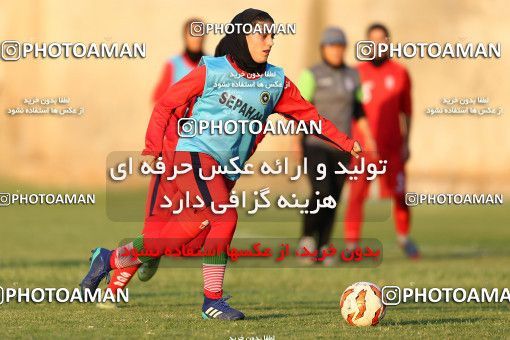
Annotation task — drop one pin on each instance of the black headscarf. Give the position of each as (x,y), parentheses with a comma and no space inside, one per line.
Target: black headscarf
(186,30)
(236,46)
(194,56)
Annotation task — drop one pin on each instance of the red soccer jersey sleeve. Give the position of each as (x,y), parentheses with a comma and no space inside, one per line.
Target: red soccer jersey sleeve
(164,82)
(291,105)
(405,98)
(176,95)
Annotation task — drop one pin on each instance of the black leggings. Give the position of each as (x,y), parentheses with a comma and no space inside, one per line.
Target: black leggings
(320,225)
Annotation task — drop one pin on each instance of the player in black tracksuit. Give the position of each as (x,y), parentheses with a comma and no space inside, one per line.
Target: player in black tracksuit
(334,88)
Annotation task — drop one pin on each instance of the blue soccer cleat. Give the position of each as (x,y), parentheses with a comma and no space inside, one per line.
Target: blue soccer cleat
(410,249)
(99,269)
(219,309)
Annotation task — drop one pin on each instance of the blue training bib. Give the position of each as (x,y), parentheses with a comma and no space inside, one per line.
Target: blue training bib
(228,96)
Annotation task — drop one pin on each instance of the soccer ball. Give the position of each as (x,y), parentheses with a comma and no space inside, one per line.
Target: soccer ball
(361,304)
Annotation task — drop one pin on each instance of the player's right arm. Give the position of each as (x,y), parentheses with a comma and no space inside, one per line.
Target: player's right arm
(176,95)
(405,109)
(360,118)
(292,105)
(164,82)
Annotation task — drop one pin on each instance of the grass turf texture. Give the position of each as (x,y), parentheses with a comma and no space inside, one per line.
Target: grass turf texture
(48,246)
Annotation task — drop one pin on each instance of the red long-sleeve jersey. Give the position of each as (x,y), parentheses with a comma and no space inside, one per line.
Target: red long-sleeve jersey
(167,76)
(386,94)
(291,105)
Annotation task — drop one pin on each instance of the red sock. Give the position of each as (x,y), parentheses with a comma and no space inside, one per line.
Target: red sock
(121,277)
(213,280)
(217,241)
(402,215)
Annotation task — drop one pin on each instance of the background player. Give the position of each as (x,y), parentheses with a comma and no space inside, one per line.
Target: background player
(335,90)
(387,102)
(245,54)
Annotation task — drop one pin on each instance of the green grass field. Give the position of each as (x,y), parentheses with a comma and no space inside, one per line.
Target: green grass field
(462,247)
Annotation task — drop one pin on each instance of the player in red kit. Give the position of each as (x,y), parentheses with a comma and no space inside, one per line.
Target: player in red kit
(244,55)
(157,217)
(387,103)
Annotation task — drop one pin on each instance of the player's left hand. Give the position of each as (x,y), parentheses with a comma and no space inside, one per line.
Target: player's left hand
(356,149)
(405,153)
(149,159)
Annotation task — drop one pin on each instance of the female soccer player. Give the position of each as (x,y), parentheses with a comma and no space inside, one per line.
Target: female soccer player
(246,59)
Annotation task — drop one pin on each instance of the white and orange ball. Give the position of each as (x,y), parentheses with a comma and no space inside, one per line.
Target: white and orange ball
(361,304)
